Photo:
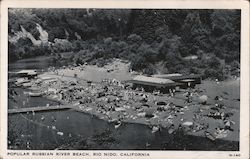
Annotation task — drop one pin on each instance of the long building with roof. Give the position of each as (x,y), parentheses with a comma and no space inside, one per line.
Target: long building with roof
(193,79)
(153,83)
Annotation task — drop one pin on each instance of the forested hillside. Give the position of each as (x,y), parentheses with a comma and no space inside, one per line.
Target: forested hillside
(165,41)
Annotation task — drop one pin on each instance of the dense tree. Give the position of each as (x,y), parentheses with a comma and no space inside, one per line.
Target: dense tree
(226,34)
(195,34)
(146,37)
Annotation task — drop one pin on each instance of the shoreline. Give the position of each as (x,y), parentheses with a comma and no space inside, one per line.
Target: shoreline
(233,145)
(124,107)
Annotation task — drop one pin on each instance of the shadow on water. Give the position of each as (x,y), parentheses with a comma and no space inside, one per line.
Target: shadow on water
(85,132)
(39,63)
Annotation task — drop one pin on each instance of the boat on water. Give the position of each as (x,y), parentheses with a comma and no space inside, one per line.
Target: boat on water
(21,81)
(25,85)
(34,94)
(118,124)
(209,136)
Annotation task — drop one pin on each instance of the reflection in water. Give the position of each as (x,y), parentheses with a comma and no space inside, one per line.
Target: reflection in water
(41,62)
(83,131)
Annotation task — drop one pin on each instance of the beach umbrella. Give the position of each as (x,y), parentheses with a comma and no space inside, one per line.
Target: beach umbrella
(203,99)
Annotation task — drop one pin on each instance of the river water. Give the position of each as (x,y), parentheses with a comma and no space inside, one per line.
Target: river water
(39,63)
(69,129)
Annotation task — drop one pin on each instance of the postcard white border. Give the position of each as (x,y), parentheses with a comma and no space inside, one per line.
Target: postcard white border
(161,4)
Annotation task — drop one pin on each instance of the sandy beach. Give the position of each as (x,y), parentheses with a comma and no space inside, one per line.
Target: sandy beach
(101,92)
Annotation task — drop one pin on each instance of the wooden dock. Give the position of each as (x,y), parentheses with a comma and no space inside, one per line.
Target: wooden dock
(39,109)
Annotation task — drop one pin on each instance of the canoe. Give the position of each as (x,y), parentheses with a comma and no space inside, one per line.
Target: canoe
(35,94)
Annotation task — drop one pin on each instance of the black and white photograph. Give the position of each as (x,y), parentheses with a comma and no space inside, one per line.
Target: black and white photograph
(124,79)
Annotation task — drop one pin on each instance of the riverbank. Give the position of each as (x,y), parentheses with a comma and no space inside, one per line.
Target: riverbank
(102,93)
(40,131)
(83,132)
